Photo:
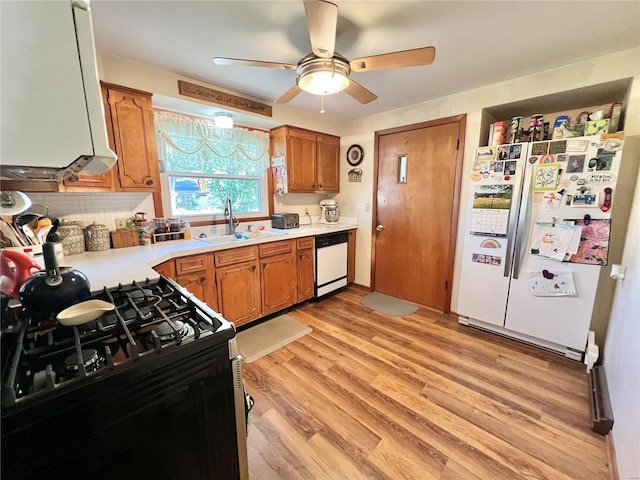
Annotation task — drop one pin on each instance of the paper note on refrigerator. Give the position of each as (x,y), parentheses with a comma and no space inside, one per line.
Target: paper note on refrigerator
(593,248)
(555,241)
(490,213)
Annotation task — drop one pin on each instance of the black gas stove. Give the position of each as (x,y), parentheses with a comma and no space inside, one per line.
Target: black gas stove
(127,394)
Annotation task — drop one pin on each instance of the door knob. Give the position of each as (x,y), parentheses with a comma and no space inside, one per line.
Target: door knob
(379,228)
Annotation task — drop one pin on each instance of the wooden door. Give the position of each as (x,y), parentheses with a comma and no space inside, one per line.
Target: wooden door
(418,183)
(328,163)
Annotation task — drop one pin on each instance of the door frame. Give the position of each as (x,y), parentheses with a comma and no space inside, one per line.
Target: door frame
(461,120)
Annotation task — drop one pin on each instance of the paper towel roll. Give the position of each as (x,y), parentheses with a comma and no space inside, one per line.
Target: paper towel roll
(617,272)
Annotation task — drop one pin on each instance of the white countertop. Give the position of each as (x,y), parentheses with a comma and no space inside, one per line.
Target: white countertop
(125,265)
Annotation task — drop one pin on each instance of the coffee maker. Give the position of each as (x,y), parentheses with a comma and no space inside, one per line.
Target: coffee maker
(329,212)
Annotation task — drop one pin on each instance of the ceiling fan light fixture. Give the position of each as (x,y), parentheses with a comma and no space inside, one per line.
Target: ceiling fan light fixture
(323,76)
(223,120)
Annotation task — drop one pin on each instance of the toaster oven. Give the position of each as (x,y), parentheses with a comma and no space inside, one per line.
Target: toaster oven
(285,220)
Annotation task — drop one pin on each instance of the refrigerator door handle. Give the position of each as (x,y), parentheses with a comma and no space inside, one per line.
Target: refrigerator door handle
(512,231)
(524,219)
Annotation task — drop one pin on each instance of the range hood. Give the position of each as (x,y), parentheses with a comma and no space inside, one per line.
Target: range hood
(51,110)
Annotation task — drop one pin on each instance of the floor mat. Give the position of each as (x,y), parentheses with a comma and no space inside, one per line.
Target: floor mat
(258,341)
(388,305)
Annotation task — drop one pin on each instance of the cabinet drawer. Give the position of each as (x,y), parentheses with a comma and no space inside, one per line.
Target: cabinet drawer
(304,243)
(236,255)
(193,263)
(275,248)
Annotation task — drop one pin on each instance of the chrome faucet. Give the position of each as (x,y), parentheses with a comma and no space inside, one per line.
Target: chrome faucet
(232,222)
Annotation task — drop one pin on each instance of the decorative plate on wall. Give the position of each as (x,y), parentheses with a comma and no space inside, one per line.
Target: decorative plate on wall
(355,155)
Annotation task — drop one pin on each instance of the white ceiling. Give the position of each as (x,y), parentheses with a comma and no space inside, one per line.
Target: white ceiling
(477,42)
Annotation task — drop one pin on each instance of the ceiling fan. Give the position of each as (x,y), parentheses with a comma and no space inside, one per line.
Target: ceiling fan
(326,72)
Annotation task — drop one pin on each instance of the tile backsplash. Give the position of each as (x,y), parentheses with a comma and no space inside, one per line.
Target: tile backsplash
(102,208)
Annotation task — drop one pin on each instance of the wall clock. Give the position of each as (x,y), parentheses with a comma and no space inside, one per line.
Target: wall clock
(355,155)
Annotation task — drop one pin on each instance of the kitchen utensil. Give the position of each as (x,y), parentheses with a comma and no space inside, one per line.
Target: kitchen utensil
(83,312)
(52,290)
(43,233)
(15,268)
(9,236)
(96,238)
(13,203)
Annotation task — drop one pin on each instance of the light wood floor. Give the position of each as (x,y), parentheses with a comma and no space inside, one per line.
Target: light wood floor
(366,395)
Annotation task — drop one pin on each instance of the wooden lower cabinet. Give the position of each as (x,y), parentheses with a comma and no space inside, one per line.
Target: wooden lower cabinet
(238,282)
(304,269)
(167,269)
(278,276)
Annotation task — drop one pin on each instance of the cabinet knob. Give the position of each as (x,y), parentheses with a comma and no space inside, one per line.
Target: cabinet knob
(252,268)
(149,182)
(202,280)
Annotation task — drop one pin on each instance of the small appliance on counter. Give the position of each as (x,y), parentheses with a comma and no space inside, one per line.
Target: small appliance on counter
(330,212)
(285,220)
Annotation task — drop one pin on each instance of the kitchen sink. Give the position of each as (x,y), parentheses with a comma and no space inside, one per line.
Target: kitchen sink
(221,239)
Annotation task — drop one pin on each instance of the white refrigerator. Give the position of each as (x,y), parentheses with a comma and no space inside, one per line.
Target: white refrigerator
(537,238)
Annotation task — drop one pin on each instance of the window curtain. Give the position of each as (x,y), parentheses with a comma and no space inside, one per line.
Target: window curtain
(190,144)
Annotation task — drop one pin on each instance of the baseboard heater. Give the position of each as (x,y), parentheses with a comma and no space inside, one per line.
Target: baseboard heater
(600,404)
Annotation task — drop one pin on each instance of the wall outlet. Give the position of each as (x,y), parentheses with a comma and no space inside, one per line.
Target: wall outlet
(121,223)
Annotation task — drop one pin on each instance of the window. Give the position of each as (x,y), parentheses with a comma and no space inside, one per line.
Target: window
(201,165)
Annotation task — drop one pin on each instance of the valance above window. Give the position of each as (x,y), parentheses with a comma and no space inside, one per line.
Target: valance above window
(190,144)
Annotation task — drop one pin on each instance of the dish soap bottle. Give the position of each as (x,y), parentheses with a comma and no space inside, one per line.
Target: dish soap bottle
(187,230)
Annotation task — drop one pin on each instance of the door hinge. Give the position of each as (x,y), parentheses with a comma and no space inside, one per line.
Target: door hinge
(457,144)
(446,284)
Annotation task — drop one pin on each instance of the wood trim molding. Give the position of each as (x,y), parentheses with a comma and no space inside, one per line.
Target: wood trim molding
(611,457)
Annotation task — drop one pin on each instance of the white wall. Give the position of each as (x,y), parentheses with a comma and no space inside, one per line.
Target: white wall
(622,356)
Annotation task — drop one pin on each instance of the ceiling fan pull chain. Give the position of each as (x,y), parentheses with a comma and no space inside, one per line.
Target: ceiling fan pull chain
(322,104)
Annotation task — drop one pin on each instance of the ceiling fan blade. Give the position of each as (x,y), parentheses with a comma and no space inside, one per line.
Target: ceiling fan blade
(322,20)
(289,94)
(360,93)
(406,58)
(240,62)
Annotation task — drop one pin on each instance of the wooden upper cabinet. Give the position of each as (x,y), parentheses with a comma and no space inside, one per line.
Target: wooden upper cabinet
(328,163)
(130,121)
(312,159)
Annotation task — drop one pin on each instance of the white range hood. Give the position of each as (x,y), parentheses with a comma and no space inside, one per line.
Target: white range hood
(52,117)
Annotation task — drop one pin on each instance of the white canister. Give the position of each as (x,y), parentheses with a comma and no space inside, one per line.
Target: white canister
(96,238)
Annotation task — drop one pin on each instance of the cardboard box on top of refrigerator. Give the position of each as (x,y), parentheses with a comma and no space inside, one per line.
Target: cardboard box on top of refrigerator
(596,127)
(499,133)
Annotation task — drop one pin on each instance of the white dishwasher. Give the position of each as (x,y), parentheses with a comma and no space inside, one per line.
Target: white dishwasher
(331,262)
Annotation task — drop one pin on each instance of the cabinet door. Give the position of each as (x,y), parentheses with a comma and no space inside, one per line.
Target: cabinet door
(239,292)
(305,280)
(328,163)
(134,139)
(301,161)
(202,285)
(278,281)
(351,257)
